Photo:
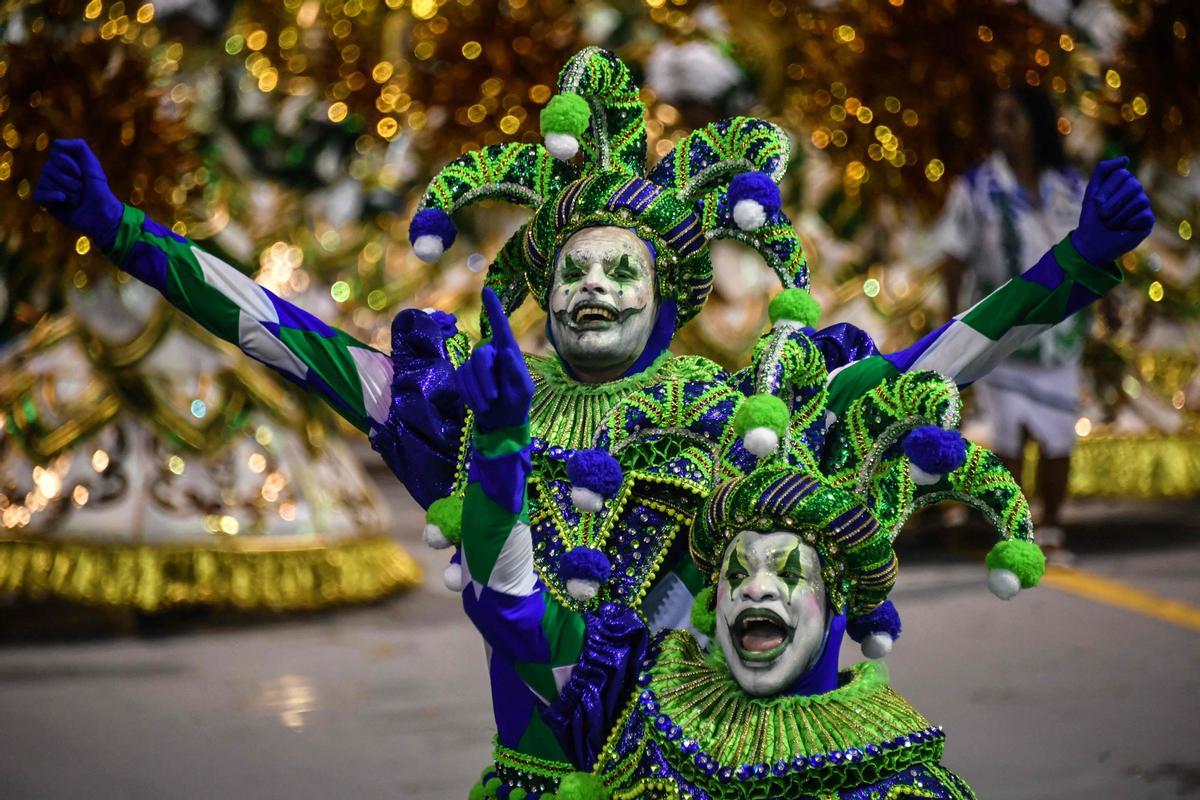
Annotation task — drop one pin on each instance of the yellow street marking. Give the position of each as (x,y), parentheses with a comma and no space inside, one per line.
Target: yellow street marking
(1119,595)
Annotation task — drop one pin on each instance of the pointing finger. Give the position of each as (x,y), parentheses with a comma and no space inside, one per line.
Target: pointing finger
(483,369)
(502,335)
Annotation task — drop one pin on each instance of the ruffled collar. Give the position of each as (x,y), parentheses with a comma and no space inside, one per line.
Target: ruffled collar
(710,728)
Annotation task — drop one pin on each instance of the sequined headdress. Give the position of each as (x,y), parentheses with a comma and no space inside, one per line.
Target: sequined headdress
(849,491)
(718,182)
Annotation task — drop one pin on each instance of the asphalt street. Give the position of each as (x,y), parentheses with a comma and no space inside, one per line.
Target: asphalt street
(1085,688)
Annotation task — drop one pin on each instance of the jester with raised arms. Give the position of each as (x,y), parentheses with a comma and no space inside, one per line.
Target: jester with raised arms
(624,440)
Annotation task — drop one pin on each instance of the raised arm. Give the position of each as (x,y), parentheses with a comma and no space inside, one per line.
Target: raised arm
(512,609)
(351,376)
(1115,218)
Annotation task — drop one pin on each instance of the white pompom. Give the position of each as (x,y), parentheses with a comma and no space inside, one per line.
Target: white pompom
(830,418)
(876,645)
(562,146)
(921,477)
(429,248)
(433,536)
(453,577)
(749,214)
(582,589)
(761,441)
(1003,583)
(586,499)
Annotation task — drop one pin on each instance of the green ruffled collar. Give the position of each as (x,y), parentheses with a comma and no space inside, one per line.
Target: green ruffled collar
(695,708)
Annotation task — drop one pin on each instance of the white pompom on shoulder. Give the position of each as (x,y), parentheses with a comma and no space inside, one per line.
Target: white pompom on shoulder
(582,589)
(586,499)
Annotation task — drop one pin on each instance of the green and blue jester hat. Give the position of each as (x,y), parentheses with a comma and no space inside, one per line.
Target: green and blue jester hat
(720,181)
(893,451)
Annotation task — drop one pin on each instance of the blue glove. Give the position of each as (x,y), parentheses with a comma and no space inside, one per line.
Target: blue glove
(74,189)
(494,382)
(1116,214)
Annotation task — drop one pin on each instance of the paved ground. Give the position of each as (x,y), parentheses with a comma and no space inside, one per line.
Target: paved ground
(1065,693)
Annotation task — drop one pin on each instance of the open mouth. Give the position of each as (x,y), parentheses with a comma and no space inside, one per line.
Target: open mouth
(587,314)
(760,635)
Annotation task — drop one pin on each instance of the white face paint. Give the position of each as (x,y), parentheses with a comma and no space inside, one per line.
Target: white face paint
(602,302)
(771,610)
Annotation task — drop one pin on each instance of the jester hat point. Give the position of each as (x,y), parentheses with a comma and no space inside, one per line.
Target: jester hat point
(720,181)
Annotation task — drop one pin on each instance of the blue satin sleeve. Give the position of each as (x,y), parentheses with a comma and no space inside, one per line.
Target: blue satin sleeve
(420,439)
(842,344)
(589,704)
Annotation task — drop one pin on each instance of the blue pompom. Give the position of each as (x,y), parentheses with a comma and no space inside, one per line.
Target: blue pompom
(433,222)
(584,563)
(596,471)
(884,619)
(935,450)
(756,186)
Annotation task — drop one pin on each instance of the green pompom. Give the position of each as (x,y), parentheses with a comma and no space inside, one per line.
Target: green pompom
(566,113)
(491,788)
(517,794)
(1023,559)
(794,305)
(447,515)
(704,614)
(761,411)
(477,792)
(581,786)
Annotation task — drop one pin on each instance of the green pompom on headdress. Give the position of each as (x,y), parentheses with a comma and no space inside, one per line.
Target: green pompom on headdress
(850,494)
(718,182)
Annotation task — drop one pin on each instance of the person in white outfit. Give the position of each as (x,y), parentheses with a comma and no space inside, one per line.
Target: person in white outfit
(1021,200)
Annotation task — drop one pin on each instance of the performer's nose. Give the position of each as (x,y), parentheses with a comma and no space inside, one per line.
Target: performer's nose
(760,589)
(594,280)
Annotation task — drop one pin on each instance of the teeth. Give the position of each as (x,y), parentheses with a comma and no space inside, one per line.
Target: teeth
(587,313)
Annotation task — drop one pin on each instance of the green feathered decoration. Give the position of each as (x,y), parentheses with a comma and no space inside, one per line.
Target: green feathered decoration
(704,612)
(794,305)
(1022,558)
(581,786)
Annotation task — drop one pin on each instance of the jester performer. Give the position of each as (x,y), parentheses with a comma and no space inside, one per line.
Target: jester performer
(618,258)
(797,557)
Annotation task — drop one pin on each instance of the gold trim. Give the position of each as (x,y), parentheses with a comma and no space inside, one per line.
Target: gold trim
(240,573)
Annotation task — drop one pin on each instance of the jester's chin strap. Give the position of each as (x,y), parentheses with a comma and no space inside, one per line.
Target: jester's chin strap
(822,676)
(656,344)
